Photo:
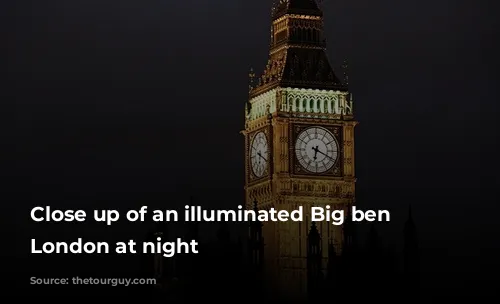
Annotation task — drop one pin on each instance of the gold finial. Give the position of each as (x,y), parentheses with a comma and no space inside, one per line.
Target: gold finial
(251,76)
(345,67)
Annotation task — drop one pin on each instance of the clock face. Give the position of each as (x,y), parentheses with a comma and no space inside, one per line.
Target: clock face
(259,154)
(316,149)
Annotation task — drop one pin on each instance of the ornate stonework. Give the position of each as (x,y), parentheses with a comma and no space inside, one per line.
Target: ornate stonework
(316,188)
(299,103)
(261,192)
(297,55)
(299,90)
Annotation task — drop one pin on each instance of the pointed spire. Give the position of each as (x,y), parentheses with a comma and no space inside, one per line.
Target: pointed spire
(345,67)
(255,241)
(251,76)
(274,7)
(314,261)
(256,226)
(349,233)
(314,229)
(314,235)
(314,240)
(332,260)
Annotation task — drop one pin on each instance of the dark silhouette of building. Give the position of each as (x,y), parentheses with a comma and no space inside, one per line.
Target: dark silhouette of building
(255,254)
(256,243)
(232,264)
(164,269)
(314,263)
(332,266)
(353,273)
(349,235)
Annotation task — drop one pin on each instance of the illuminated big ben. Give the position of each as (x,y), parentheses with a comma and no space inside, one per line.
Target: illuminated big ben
(299,141)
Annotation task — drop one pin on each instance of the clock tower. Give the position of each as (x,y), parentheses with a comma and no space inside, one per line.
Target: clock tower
(299,143)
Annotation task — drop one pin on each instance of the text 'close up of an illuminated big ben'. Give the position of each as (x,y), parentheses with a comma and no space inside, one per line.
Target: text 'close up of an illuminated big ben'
(299,141)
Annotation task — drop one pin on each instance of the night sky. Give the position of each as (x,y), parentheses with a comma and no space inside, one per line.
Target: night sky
(125,103)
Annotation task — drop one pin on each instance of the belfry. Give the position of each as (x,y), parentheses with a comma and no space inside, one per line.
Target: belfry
(299,147)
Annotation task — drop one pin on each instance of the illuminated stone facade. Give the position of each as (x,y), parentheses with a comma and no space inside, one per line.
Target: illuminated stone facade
(298,91)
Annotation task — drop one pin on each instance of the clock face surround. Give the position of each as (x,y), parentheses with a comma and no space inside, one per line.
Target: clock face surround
(316,149)
(259,154)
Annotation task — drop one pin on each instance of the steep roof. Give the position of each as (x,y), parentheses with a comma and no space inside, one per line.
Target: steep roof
(297,56)
(307,7)
(299,68)
(308,68)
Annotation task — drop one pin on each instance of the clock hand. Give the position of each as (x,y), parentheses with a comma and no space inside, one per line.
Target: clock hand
(317,150)
(258,153)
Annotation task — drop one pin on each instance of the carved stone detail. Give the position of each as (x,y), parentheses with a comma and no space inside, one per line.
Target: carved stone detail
(299,87)
(261,192)
(326,104)
(257,124)
(274,69)
(316,188)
